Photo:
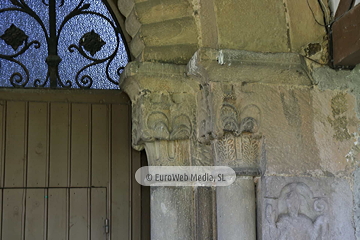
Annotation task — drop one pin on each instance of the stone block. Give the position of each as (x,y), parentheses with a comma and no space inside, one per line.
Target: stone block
(236,210)
(357,202)
(258,26)
(172,213)
(136,46)
(228,65)
(125,7)
(303,28)
(306,131)
(209,34)
(132,24)
(172,32)
(159,10)
(303,208)
(177,54)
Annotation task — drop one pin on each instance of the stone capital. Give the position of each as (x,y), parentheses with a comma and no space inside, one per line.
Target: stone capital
(163,102)
(230,107)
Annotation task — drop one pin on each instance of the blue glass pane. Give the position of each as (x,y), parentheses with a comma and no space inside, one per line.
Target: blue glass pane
(81,48)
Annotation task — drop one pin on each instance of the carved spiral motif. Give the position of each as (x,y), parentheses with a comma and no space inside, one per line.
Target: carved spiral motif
(320,205)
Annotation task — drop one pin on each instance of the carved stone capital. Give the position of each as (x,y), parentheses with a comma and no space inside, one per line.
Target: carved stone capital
(163,103)
(226,103)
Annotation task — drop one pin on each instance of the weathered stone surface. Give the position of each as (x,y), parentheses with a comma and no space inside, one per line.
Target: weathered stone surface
(254,110)
(206,213)
(309,31)
(236,210)
(302,133)
(340,82)
(296,120)
(302,208)
(172,213)
(137,46)
(207,24)
(132,24)
(357,202)
(242,151)
(252,25)
(245,66)
(335,124)
(266,26)
(163,104)
(171,32)
(159,11)
(177,54)
(126,6)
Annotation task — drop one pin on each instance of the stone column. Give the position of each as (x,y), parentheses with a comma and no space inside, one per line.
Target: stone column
(163,106)
(172,208)
(236,208)
(230,122)
(236,215)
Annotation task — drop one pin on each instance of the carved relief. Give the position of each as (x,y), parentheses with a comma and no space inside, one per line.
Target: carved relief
(226,149)
(181,127)
(202,154)
(204,118)
(168,153)
(239,146)
(238,151)
(249,149)
(162,116)
(248,119)
(298,215)
(229,118)
(159,123)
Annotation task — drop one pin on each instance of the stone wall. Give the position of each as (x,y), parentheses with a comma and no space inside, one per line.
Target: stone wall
(243,84)
(288,128)
(171,31)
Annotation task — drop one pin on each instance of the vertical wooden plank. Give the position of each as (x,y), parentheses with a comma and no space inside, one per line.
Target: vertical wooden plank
(57,214)
(80,145)
(13,214)
(1,210)
(2,142)
(35,214)
(98,213)
(120,184)
(59,142)
(100,145)
(145,201)
(78,228)
(135,196)
(15,159)
(37,145)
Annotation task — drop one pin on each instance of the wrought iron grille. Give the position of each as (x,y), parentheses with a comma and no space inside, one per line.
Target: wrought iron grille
(60,43)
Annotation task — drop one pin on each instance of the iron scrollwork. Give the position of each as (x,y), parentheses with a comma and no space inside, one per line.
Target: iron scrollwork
(90,46)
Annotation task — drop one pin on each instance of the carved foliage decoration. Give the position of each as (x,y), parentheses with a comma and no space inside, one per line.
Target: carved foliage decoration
(202,154)
(162,116)
(161,129)
(249,119)
(297,215)
(239,146)
(238,151)
(229,118)
(159,123)
(226,149)
(249,149)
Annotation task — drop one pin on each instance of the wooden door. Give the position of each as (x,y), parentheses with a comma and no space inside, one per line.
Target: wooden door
(64,165)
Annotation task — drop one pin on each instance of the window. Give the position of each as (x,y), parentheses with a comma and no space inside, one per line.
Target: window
(60,44)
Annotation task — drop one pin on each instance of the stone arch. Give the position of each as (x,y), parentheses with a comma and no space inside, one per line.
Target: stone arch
(162,31)
(171,31)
